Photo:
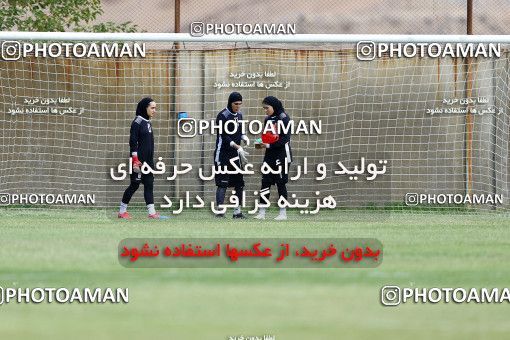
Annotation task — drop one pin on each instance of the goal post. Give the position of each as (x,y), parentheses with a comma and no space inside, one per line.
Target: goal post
(397,132)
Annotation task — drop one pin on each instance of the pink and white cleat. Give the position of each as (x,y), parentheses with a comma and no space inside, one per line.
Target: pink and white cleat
(125,215)
(157,216)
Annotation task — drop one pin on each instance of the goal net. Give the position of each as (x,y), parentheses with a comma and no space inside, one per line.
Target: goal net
(393,133)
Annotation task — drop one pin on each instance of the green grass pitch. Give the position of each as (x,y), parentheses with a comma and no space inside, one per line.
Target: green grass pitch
(72,248)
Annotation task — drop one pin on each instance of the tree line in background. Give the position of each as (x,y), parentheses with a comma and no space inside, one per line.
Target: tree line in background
(57,16)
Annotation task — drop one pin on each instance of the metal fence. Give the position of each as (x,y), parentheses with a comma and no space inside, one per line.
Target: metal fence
(321,16)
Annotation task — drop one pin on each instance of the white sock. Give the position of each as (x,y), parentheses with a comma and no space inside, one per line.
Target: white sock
(262,211)
(151,209)
(123,208)
(283,211)
(237,211)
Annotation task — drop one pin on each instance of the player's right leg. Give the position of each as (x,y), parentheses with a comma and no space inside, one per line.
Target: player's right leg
(282,192)
(126,197)
(221,190)
(237,181)
(267,181)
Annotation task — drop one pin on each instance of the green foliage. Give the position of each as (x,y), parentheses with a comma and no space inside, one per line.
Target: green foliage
(57,16)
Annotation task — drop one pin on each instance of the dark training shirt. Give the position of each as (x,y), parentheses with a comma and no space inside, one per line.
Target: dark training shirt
(141,140)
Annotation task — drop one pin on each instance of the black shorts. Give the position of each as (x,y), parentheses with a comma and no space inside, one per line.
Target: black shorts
(229,180)
(142,178)
(270,179)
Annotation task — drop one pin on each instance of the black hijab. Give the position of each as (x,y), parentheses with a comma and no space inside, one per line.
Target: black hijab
(141,108)
(275,103)
(234,97)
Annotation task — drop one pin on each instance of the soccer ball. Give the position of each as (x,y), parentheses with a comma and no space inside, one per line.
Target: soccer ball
(270,138)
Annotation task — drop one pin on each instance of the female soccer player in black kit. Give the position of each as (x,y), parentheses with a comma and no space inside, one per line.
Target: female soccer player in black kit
(141,148)
(277,153)
(228,146)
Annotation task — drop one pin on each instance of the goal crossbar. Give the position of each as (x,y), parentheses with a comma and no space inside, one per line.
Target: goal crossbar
(295,38)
